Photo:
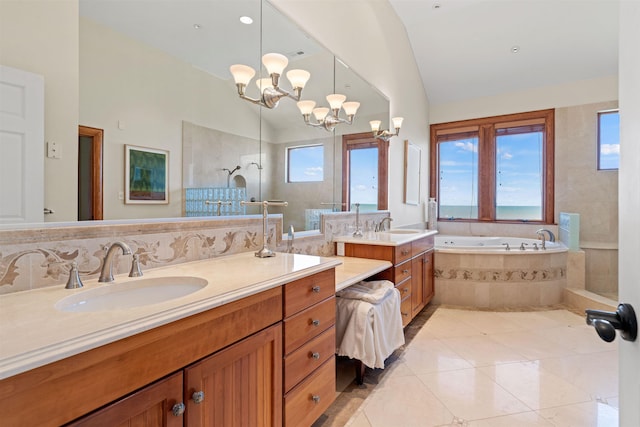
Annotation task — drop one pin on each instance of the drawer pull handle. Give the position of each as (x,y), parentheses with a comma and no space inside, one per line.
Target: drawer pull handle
(315,398)
(404,252)
(315,322)
(405,314)
(405,290)
(316,289)
(315,355)
(405,271)
(178,409)
(198,396)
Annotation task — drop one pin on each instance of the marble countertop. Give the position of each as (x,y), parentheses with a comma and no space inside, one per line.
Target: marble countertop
(34,333)
(394,237)
(354,270)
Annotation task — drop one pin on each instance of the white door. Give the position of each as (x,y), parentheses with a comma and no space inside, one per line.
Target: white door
(21,146)
(629,204)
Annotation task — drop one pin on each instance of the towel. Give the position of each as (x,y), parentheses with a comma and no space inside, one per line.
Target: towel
(372,292)
(369,332)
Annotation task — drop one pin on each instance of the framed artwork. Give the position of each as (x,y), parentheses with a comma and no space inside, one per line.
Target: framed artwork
(412,160)
(146,175)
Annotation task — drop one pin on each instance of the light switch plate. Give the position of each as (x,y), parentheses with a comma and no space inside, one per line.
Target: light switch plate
(54,151)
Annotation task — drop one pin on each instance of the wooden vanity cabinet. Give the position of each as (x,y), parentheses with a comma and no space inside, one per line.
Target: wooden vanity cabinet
(68,389)
(412,271)
(151,406)
(240,385)
(309,348)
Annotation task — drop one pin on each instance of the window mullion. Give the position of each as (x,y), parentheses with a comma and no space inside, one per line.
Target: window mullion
(487,174)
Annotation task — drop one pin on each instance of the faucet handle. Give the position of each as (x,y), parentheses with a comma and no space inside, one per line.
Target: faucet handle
(136,271)
(74,281)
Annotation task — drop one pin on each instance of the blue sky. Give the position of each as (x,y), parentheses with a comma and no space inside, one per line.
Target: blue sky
(306,164)
(518,166)
(364,176)
(609,141)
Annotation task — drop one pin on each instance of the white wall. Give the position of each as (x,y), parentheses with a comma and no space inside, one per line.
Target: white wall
(140,96)
(369,37)
(48,35)
(554,96)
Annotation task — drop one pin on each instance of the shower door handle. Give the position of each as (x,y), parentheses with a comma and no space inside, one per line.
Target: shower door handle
(606,322)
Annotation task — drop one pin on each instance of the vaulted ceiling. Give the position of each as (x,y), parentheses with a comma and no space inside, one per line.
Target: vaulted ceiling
(465,48)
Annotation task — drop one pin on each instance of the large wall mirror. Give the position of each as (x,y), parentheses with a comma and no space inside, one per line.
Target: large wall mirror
(155,74)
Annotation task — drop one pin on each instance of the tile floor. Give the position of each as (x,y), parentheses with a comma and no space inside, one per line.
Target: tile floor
(481,368)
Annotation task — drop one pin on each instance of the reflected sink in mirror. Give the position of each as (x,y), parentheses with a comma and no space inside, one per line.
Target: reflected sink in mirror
(401,231)
(130,294)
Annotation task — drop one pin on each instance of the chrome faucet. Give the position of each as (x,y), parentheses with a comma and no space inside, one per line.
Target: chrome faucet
(541,236)
(292,236)
(106,274)
(358,232)
(380,226)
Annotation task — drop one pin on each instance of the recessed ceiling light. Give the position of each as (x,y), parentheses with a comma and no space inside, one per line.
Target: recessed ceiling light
(246,20)
(515,49)
(436,5)
(197,26)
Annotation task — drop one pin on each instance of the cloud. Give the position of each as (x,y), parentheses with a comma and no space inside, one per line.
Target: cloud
(607,149)
(507,156)
(467,146)
(313,171)
(361,187)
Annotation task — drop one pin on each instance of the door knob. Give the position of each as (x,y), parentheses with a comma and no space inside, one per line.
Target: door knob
(606,323)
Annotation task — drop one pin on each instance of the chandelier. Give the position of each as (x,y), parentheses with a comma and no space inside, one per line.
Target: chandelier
(329,118)
(270,90)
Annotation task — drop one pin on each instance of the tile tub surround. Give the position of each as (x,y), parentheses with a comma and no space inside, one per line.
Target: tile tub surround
(500,280)
(40,257)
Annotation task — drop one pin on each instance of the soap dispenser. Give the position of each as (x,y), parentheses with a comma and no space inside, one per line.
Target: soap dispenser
(432,218)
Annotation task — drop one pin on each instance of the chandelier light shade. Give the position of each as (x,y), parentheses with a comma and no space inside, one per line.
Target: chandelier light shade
(329,118)
(386,135)
(270,90)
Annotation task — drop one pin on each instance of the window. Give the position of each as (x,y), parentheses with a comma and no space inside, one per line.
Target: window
(608,140)
(305,164)
(364,171)
(494,169)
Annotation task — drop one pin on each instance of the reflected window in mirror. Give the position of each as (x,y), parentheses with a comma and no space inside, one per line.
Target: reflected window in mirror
(364,171)
(305,164)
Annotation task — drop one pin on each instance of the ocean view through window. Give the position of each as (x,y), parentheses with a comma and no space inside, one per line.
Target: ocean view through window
(494,169)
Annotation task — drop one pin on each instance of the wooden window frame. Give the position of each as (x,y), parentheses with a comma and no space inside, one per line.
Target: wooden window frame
(366,140)
(486,131)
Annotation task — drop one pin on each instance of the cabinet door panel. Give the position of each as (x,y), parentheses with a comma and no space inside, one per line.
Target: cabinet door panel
(242,384)
(149,407)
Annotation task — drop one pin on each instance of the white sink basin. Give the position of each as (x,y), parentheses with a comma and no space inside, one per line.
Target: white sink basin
(134,293)
(401,231)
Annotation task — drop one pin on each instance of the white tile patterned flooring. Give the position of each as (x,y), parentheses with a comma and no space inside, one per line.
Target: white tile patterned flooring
(479,368)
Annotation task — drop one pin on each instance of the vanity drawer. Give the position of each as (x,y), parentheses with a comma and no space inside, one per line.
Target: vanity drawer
(402,271)
(299,364)
(305,403)
(405,310)
(303,293)
(402,253)
(421,245)
(307,324)
(404,288)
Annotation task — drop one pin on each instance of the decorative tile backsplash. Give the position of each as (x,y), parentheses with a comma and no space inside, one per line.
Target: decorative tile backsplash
(37,258)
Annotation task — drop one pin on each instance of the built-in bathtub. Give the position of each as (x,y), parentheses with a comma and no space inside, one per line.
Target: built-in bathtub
(480,272)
